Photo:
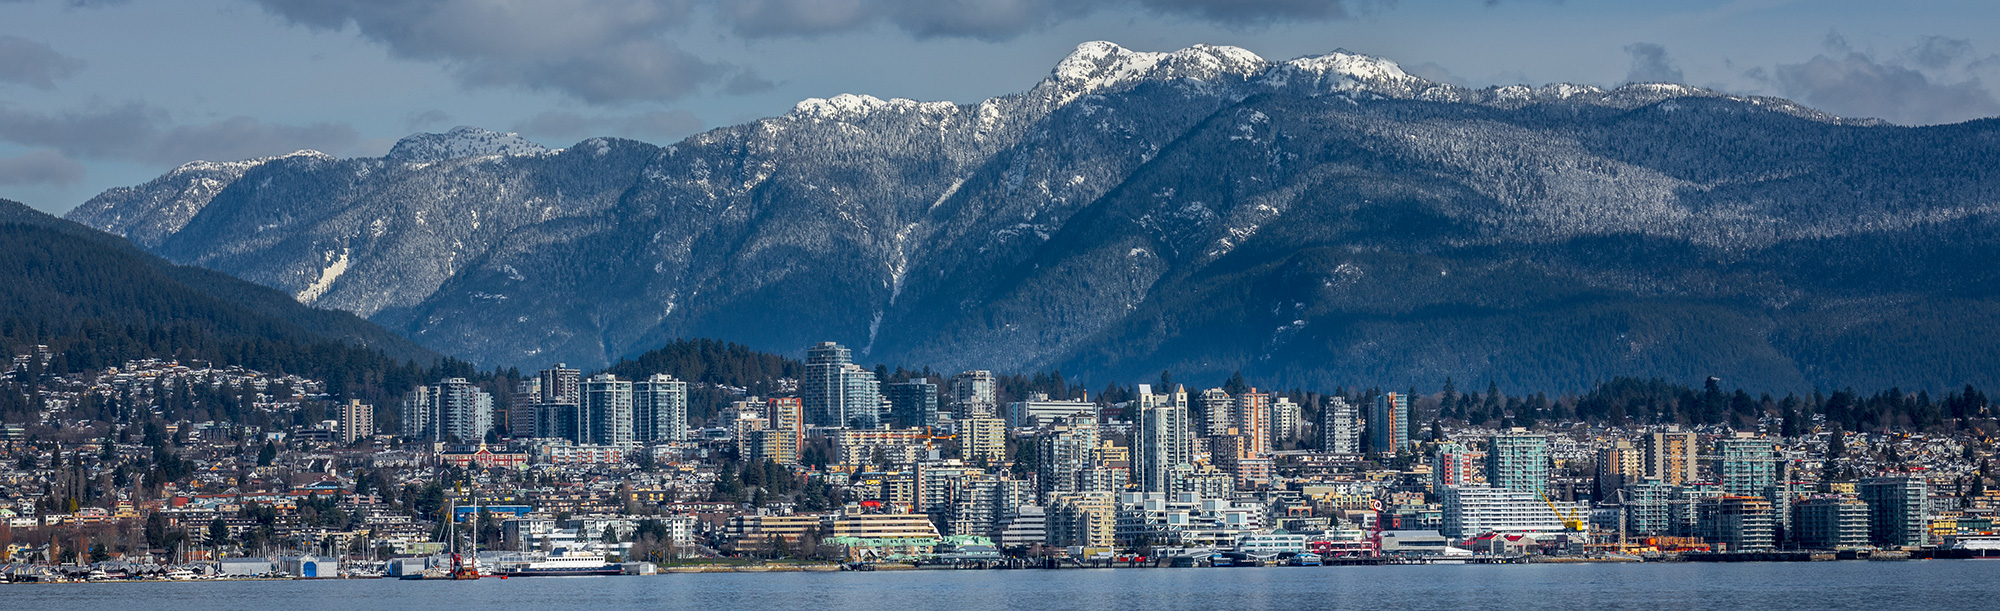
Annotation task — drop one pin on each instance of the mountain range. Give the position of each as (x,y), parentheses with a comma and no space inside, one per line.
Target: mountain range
(1319,221)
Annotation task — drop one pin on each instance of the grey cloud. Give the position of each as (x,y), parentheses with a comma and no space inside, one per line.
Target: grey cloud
(1253,11)
(655,125)
(34,64)
(136,132)
(985,20)
(598,51)
(1856,84)
(1004,19)
(746,83)
(793,17)
(418,121)
(1650,64)
(1940,52)
(245,138)
(39,168)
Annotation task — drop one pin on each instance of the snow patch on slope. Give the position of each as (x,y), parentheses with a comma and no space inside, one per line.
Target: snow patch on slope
(326,278)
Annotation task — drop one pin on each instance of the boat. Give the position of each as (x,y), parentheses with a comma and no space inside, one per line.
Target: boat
(562,562)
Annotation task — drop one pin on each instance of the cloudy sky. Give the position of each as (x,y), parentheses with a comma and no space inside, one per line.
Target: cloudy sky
(102,93)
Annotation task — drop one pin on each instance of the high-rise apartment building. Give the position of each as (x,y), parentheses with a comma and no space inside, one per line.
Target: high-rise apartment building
(522,409)
(785,431)
(1453,466)
(1287,421)
(606,411)
(357,421)
(1618,463)
(912,403)
(1746,464)
(1064,453)
(1389,423)
(1163,440)
(1253,421)
(1736,523)
(1897,508)
(454,409)
(1340,426)
(1217,412)
(1518,461)
(972,395)
(659,409)
(983,439)
(1670,456)
(560,384)
(1830,521)
(836,392)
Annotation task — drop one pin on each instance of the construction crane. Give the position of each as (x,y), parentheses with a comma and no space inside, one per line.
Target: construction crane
(1571,522)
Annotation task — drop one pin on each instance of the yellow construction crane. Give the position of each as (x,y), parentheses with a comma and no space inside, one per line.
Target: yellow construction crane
(1573,523)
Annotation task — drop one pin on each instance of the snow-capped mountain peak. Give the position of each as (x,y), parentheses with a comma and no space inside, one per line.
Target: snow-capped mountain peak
(1352,65)
(1099,66)
(462,141)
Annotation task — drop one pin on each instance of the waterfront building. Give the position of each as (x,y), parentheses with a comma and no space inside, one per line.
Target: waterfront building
(1670,456)
(1896,510)
(1517,460)
(983,439)
(606,411)
(837,393)
(1025,525)
(1746,464)
(1163,441)
(357,421)
(1736,523)
(1471,510)
(1830,521)
(1645,503)
(912,403)
(1340,426)
(972,395)
(1268,545)
(978,501)
(659,409)
(768,534)
(1082,519)
(1389,423)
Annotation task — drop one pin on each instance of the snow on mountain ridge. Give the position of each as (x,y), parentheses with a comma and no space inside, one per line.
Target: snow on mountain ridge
(462,141)
(848,105)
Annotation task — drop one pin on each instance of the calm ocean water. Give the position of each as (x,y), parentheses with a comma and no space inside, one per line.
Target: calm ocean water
(1935,585)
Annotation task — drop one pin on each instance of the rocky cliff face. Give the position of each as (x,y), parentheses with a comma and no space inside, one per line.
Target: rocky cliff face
(1322,220)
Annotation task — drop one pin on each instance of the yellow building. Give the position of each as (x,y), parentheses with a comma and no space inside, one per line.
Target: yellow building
(983,438)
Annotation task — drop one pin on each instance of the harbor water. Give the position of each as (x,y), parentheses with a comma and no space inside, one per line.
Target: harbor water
(1937,584)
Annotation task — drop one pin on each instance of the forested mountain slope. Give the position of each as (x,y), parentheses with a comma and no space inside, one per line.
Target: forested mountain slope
(1321,220)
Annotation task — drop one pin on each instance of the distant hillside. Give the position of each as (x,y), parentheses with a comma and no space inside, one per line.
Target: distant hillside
(96,301)
(257,299)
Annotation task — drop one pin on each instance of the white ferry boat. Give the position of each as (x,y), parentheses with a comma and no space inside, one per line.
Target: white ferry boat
(559,563)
